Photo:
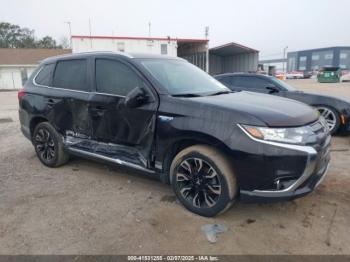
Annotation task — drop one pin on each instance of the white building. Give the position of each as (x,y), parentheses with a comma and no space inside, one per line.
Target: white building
(164,46)
(190,49)
(17,64)
(231,57)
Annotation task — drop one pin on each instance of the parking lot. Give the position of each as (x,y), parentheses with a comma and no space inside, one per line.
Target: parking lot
(91,208)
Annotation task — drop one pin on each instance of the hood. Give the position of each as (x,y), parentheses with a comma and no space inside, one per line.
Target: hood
(273,111)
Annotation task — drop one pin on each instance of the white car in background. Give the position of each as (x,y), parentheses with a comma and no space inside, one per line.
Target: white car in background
(345,75)
(295,75)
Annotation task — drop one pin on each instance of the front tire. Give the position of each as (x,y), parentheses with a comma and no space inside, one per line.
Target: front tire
(331,116)
(203,180)
(49,145)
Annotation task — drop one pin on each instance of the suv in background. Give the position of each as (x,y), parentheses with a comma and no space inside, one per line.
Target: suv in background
(162,115)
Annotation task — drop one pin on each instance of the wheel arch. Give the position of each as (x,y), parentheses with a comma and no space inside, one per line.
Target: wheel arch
(186,140)
(34,122)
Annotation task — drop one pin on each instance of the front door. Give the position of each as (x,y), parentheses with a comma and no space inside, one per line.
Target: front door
(121,132)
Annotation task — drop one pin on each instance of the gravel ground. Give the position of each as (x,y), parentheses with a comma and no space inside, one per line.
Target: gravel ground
(90,208)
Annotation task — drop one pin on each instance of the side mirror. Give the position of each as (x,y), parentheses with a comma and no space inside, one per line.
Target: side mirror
(136,97)
(272,89)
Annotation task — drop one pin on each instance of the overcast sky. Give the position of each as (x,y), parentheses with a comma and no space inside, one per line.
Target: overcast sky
(266,25)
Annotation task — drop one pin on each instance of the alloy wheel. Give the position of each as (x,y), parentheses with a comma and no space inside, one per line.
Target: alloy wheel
(330,117)
(198,182)
(45,144)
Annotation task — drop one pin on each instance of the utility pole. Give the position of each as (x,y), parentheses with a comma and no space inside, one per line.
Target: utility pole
(90,33)
(207,49)
(284,57)
(70,33)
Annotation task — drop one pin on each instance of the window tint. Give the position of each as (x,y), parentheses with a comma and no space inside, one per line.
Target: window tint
(113,77)
(71,74)
(250,82)
(44,76)
(226,80)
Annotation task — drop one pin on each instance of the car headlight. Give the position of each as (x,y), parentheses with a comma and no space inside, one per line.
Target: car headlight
(294,135)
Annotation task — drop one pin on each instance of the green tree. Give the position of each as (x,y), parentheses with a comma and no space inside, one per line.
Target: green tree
(47,42)
(13,36)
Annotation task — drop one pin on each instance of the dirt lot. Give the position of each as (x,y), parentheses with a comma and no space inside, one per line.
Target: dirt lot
(90,208)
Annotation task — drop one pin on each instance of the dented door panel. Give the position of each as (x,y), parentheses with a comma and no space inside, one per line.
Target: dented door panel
(132,129)
(73,115)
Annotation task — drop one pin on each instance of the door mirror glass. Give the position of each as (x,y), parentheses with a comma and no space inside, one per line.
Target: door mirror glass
(136,97)
(272,89)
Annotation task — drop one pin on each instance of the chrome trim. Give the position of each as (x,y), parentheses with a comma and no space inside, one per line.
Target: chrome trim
(56,88)
(308,171)
(99,93)
(323,176)
(109,159)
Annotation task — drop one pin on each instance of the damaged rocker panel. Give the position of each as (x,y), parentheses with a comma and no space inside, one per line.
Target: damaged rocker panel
(118,154)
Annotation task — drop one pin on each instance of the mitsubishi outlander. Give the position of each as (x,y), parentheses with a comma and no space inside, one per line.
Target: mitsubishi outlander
(165,116)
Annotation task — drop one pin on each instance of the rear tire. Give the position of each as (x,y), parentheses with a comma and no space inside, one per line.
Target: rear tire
(203,180)
(48,144)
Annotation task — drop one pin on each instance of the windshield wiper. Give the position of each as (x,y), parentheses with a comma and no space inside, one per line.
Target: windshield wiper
(187,95)
(220,93)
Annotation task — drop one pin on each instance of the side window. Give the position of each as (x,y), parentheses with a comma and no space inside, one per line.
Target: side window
(260,83)
(243,81)
(250,82)
(45,74)
(113,77)
(226,81)
(71,74)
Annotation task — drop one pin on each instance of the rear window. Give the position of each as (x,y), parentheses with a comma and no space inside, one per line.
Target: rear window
(71,74)
(331,69)
(45,74)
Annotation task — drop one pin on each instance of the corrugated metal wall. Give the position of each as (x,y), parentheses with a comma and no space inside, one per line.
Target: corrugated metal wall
(198,59)
(215,64)
(230,64)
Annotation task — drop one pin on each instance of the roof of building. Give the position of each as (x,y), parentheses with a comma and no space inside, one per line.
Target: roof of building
(320,49)
(180,40)
(28,56)
(231,49)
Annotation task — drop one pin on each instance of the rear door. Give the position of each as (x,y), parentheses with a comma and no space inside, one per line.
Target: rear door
(70,97)
(128,131)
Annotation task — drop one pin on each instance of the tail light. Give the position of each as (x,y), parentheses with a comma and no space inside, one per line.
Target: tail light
(21,93)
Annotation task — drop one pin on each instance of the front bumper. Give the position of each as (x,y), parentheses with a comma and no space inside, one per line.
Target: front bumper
(316,166)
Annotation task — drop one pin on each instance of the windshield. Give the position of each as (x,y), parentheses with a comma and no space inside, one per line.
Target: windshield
(182,78)
(283,84)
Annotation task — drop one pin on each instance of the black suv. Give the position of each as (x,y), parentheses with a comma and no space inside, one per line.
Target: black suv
(165,116)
